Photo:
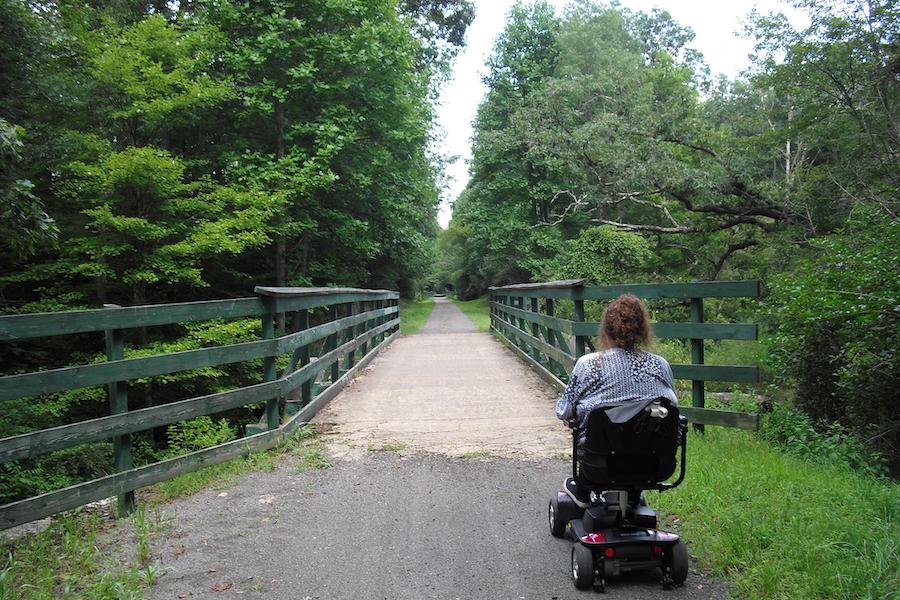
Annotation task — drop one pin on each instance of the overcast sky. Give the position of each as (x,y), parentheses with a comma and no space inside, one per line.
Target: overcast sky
(716,23)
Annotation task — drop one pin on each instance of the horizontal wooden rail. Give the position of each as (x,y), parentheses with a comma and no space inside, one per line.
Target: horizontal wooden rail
(510,319)
(374,325)
(558,355)
(67,378)
(47,440)
(685,331)
(18,327)
(576,290)
(563,325)
(682,331)
(29,509)
(732,373)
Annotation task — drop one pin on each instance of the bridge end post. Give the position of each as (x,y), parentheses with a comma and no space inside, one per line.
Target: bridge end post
(698,388)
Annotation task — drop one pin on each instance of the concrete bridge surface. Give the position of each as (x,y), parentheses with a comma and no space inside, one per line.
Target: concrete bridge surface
(444,455)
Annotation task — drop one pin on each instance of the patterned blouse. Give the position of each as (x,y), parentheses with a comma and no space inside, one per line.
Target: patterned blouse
(614,375)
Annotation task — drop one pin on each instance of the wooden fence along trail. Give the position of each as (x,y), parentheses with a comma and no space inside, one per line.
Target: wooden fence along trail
(361,322)
(554,357)
(356,324)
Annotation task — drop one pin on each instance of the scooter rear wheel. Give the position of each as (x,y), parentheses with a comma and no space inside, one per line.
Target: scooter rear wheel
(556,518)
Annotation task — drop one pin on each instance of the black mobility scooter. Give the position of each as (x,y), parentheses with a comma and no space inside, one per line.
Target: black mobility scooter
(628,448)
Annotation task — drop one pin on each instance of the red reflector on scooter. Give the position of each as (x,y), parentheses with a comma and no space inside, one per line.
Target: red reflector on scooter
(657,550)
(609,552)
(594,538)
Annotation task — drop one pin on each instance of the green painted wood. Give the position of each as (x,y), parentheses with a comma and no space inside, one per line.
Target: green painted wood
(45,382)
(117,392)
(698,387)
(332,343)
(292,304)
(270,373)
(534,317)
(74,496)
(16,327)
(707,416)
(298,377)
(542,371)
(308,412)
(579,317)
(734,373)
(685,331)
(526,340)
(40,442)
(696,289)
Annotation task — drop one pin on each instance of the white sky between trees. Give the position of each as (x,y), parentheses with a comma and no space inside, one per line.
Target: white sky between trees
(717,24)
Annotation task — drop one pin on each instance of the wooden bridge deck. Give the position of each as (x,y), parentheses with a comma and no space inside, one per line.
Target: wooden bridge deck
(449,389)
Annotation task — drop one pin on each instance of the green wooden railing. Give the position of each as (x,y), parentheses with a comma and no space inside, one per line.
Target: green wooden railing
(359,323)
(545,341)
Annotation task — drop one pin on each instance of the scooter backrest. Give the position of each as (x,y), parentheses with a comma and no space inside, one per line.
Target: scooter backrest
(638,451)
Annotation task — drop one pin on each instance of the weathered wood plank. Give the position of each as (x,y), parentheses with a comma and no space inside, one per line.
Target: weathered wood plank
(735,373)
(74,496)
(17,327)
(45,382)
(66,436)
(309,411)
(727,418)
(558,355)
(538,368)
(694,289)
(533,317)
(685,331)
(541,285)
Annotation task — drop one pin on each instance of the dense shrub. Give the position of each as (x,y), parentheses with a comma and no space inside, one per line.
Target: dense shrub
(836,323)
(794,431)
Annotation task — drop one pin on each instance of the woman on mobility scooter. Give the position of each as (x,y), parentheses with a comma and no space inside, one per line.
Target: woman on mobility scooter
(621,398)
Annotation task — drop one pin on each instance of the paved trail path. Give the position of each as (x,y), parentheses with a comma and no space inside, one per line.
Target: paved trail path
(451,390)
(459,512)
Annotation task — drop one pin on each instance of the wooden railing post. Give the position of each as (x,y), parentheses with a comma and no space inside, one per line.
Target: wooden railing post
(273,418)
(579,317)
(351,333)
(332,343)
(363,328)
(698,391)
(118,404)
(301,321)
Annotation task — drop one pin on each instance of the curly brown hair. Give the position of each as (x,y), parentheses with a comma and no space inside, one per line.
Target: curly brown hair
(626,324)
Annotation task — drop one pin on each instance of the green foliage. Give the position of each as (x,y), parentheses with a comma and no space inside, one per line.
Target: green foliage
(793,430)
(837,329)
(24,226)
(198,433)
(601,255)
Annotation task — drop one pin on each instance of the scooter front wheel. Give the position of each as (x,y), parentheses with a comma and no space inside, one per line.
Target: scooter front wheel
(582,566)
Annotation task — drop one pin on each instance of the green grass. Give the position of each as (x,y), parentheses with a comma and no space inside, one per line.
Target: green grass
(414,314)
(83,555)
(76,558)
(478,311)
(780,527)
